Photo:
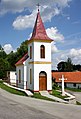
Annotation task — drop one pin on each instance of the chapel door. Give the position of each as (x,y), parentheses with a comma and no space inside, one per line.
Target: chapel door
(42,81)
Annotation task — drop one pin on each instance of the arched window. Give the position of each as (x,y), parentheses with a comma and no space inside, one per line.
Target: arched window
(42,51)
(19,76)
(30,52)
(30,76)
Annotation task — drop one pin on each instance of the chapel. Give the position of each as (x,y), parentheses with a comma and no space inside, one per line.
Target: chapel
(34,68)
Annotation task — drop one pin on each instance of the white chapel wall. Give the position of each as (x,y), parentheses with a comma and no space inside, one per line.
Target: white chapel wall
(37,69)
(21,67)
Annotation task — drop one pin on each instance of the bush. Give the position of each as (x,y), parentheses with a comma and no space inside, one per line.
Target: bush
(55,86)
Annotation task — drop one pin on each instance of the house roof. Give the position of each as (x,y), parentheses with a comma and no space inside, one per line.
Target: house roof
(20,62)
(72,77)
(39,32)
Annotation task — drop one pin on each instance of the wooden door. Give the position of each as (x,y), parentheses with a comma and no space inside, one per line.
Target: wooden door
(42,83)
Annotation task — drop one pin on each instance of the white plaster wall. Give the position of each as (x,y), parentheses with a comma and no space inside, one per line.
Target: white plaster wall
(30,86)
(36,51)
(25,76)
(70,85)
(21,67)
(12,77)
(31,44)
(27,68)
(37,69)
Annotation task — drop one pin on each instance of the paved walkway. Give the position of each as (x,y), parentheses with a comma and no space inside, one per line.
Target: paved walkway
(78,96)
(46,94)
(29,93)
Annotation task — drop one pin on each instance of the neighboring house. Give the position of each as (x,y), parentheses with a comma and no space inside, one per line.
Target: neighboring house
(34,68)
(11,77)
(73,78)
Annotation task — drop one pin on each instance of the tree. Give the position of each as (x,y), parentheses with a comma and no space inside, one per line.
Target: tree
(4,66)
(2,53)
(12,59)
(65,66)
(61,66)
(77,67)
(22,49)
(7,62)
(69,66)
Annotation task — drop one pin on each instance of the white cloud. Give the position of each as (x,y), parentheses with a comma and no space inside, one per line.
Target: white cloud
(20,5)
(54,34)
(8,48)
(74,54)
(27,21)
(48,10)
(68,18)
(54,49)
(23,22)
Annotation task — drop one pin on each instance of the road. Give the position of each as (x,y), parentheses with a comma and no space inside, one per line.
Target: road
(20,107)
(78,96)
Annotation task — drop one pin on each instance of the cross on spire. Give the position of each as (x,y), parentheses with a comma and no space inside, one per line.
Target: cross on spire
(38,5)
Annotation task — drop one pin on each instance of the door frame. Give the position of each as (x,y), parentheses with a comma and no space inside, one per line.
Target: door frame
(42,81)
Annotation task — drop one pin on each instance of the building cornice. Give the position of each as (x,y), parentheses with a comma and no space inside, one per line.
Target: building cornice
(39,40)
(39,62)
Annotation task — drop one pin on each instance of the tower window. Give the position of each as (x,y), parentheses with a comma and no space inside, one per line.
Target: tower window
(42,51)
(30,52)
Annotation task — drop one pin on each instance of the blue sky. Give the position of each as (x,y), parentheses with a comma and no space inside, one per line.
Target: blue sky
(62,20)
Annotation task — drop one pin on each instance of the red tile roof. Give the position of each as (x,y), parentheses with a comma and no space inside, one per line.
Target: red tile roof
(39,30)
(72,77)
(20,62)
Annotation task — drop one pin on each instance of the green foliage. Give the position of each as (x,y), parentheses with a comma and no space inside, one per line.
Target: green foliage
(7,62)
(69,66)
(77,67)
(58,94)
(22,50)
(12,58)
(74,89)
(62,66)
(78,103)
(38,96)
(11,90)
(2,53)
(55,86)
(4,66)
(65,66)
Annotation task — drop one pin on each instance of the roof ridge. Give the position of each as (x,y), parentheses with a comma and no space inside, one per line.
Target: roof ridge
(25,56)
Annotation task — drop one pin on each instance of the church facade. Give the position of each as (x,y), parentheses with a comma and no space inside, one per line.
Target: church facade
(34,68)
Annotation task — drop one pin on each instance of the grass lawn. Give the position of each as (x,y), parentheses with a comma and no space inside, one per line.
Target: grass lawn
(73,89)
(11,90)
(35,95)
(78,103)
(58,94)
(38,96)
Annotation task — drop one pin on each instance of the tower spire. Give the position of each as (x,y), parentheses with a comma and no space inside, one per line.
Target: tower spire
(39,31)
(38,5)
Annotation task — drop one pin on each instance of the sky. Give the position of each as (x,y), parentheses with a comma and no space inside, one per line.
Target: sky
(62,21)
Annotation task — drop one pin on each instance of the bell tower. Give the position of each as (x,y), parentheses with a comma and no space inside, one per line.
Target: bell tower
(39,51)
